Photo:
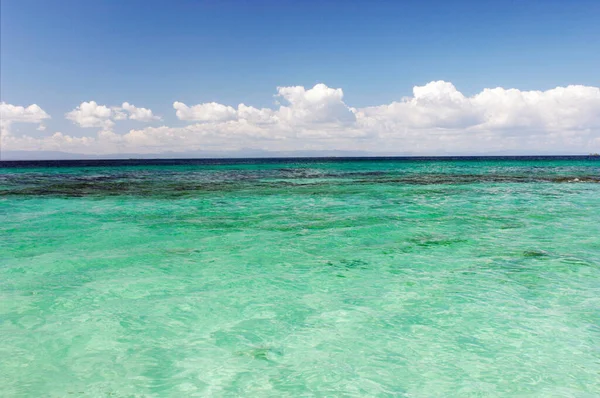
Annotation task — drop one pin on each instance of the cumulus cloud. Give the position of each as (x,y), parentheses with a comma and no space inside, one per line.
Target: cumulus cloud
(559,109)
(318,105)
(256,116)
(209,112)
(437,118)
(10,114)
(140,114)
(439,105)
(435,105)
(90,114)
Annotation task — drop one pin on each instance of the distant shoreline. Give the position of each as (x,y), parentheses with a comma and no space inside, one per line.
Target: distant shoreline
(276,160)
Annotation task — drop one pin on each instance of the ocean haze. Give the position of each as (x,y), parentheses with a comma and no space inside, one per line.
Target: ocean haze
(251,153)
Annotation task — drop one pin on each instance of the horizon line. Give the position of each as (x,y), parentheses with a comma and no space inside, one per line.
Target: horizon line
(287,158)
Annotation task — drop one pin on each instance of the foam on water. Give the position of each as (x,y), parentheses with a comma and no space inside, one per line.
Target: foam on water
(305,278)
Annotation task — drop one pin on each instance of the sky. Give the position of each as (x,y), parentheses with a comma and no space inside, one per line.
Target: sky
(406,77)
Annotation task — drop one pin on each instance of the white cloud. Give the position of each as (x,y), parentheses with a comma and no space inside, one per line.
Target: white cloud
(319,104)
(10,114)
(118,113)
(439,105)
(562,108)
(435,105)
(31,114)
(436,119)
(209,112)
(140,114)
(90,114)
(56,142)
(256,116)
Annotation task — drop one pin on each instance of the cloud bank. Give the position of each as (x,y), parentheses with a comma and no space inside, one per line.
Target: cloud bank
(436,119)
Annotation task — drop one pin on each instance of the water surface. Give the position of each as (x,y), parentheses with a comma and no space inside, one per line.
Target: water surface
(301,277)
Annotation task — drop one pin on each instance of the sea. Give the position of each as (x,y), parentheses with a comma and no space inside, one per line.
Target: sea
(311,277)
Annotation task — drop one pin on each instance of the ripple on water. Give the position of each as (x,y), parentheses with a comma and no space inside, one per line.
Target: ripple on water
(365,278)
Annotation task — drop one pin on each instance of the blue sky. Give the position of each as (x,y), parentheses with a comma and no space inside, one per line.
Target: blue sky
(58,54)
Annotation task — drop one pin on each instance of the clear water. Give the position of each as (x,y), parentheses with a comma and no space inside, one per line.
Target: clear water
(400,278)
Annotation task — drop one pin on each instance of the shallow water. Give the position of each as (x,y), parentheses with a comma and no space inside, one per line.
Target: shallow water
(395,277)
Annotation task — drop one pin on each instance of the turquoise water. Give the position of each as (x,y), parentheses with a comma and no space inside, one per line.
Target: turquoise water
(432,278)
